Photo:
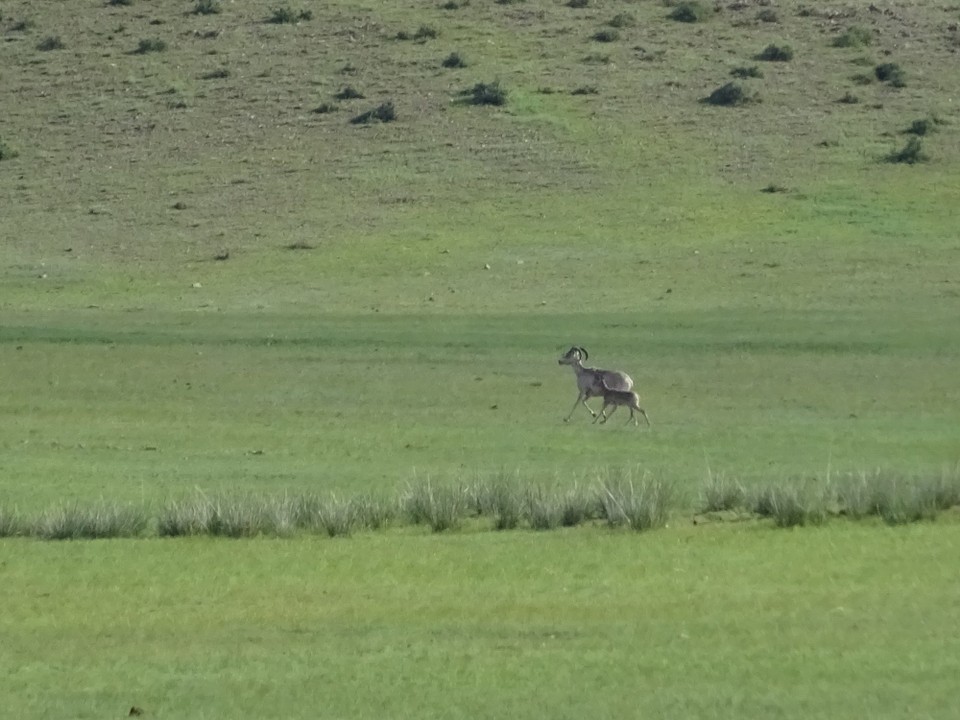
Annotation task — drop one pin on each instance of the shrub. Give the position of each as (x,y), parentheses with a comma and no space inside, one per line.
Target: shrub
(690,12)
(849,99)
(577,4)
(207,7)
(622,20)
(486,94)
(776,53)
(454,60)
(52,42)
(854,37)
(425,32)
(862,79)
(768,15)
(585,90)
(774,188)
(729,95)
(281,15)
(453,5)
(892,73)
(22,25)
(120,2)
(385,112)
(910,153)
(218,74)
(921,127)
(747,72)
(349,93)
(606,36)
(323,108)
(7,152)
(150,45)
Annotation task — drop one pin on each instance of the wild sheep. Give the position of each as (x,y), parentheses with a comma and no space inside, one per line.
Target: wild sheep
(590,381)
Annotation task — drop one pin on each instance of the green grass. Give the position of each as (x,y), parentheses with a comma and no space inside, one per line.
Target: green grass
(389,305)
(840,621)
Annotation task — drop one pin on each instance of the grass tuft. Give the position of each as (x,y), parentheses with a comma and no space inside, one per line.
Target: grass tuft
(721,494)
(639,505)
(854,37)
(286,15)
(51,42)
(486,94)
(385,112)
(11,523)
(442,508)
(150,45)
(7,152)
(98,521)
(790,504)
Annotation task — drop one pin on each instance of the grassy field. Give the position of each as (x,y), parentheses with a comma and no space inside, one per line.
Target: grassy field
(212,281)
(695,623)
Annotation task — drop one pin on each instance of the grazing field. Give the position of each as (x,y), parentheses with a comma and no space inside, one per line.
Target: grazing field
(723,622)
(339,247)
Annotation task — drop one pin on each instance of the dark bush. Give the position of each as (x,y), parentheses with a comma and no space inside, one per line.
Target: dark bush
(606,36)
(728,95)
(324,108)
(768,15)
(7,152)
(349,93)
(690,12)
(776,53)
(216,74)
(384,112)
(921,127)
(425,32)
(578,4)
(849,99)
(747,72)
(486,94)
(454,60)
(891,73)
(584,90)
(52,42)
(279,16)
(150,45)
(910,154)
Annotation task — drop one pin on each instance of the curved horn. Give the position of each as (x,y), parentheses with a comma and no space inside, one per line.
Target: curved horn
(586,355)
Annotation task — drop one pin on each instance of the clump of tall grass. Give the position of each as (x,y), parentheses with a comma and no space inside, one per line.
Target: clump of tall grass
(11,523)
(720,494)
(543,508)
(228,516)
(909,154)
(97,521)
(790,504)
(638,504)
(897,500)
(441,507)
